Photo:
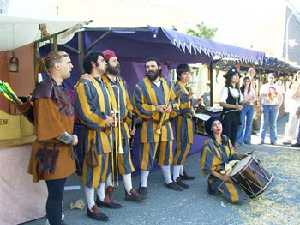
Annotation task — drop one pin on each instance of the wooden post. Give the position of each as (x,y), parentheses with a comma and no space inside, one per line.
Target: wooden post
(36,62)
(211,83)
(54,43)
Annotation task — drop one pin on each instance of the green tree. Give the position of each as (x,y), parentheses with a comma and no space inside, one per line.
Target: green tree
(203,31)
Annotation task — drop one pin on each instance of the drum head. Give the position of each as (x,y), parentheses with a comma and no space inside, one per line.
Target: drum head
(240,165)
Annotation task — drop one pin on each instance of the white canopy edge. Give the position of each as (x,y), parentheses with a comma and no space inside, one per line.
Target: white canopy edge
(17,31)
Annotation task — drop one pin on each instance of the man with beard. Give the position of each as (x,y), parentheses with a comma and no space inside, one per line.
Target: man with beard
(152,99)
(93,108)
(122,107)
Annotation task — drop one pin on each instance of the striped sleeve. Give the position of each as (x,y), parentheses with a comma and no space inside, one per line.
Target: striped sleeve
(86,108)
(144,110)
(207,160)
(183,101)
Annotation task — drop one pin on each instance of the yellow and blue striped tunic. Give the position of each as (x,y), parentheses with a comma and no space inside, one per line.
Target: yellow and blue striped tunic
(92,106)
(125,106)
(184,121)
(146,97)
(214,156)
(115,88)
(183,124)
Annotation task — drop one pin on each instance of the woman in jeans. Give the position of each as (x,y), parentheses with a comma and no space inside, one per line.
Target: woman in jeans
(247,113)
(271,99)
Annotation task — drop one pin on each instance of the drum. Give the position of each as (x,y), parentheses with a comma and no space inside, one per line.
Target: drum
(199,120)
(251,176)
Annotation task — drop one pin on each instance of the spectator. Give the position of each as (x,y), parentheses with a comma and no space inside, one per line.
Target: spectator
(247,113)
(271,99)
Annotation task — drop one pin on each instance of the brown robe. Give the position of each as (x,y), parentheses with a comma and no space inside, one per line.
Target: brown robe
(52,117)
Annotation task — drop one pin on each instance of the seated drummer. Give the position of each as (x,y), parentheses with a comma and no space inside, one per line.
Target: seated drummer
(216,153)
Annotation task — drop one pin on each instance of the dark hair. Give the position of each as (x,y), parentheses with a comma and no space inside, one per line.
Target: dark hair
(54,57)
(89,59)
(157,62)
(231,72)
(182,68)
(243,86)
(153,59)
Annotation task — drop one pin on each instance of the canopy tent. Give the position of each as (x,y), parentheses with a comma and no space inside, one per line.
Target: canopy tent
(278,66)
(18,31)
(187,48)
(134,45)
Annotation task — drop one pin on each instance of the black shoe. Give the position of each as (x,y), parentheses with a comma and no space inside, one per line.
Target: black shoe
(181,184)
(210,191)
(295,145)
(185,176)
(173,186)
(96,214)
(133,196)
(107,204)
(143,192)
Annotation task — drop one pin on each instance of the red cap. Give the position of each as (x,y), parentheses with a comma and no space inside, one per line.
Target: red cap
(108,54)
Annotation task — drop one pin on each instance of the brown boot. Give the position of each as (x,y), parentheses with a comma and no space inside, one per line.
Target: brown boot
(96,214)
(133,196)
(108,201)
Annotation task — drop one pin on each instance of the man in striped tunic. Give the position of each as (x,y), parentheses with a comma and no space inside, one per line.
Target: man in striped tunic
(93,110)
(123,109)
(184,123)
(152,99)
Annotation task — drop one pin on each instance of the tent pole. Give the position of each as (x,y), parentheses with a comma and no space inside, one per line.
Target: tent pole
(36,64)
(211,83)
(97,40)
(81,51)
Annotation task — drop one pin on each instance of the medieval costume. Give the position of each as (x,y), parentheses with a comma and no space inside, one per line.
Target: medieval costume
(184,128)
(121,162)
(214,157)
(52,157)
(156,131)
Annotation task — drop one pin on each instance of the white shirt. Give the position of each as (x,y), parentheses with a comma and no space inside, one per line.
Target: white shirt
(273,94)
(234,92)
(157,82)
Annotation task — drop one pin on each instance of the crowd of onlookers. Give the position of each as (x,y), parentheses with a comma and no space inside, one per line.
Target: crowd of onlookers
(241,95)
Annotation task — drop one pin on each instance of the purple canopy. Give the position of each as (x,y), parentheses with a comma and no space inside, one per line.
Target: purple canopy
(134,45)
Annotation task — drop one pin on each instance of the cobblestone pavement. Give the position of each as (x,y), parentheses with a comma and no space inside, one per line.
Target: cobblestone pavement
(278,205)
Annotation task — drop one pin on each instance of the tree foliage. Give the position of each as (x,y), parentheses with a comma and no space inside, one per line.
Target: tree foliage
(203,31)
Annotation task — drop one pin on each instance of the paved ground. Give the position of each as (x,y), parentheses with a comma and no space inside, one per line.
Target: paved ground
(279,205)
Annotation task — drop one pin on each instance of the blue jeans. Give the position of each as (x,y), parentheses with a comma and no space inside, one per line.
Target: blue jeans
(269,120)
(245,129)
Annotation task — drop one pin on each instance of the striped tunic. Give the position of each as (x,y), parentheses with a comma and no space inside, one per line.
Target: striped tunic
(213,158)
(184,121)
(92,106)
(126,108)
(146,97)
(120,101)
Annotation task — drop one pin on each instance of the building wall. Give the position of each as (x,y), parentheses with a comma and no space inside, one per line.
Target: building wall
(3,76)
(13,125)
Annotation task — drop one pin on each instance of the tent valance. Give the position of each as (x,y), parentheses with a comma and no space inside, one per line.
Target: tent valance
(190,49)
